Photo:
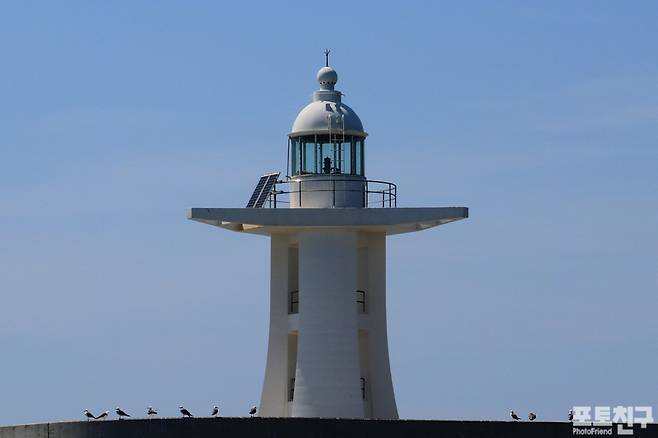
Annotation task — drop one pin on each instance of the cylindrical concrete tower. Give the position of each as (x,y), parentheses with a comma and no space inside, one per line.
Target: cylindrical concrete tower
(336,347)
(328,350)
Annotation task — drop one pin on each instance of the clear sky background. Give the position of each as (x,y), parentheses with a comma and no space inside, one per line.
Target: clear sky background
(115,117)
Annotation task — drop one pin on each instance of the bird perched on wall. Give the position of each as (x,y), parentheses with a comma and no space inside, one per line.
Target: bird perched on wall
(531,416)
(150,412)
(514,416)
(121,413)
(185,412)
(570,415)
(215,411)
(252,412)
(103,415)
(89,415)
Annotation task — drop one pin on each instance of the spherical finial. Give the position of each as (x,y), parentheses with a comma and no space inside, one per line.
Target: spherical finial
(327,77)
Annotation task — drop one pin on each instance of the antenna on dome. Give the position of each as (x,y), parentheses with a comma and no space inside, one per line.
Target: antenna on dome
(326,56)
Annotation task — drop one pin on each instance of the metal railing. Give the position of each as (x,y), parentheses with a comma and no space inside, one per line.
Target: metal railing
(382,194)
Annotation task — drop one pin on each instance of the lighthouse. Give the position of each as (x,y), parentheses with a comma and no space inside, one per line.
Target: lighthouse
(327,223)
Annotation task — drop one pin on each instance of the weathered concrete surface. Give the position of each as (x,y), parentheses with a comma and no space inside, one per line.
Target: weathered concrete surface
(24,431)
(298,428)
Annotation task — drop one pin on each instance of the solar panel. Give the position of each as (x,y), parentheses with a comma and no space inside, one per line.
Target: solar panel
(262,190)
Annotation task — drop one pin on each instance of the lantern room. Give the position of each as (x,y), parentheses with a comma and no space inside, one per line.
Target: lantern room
(326,151)
(327,136)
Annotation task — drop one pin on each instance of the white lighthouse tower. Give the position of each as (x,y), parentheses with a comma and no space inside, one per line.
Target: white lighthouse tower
(328,350)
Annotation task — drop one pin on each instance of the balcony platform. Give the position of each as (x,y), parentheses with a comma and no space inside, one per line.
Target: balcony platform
(266,221)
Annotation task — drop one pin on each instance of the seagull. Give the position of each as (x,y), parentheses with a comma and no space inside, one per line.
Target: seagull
(252,412)
(215,411)
(531,416)
(103,415)
(185,412)
(121,413)
(151,411)
(570,415)
(514,416)
(89,415)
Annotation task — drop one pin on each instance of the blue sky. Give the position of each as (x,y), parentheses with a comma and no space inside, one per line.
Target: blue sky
(116,117)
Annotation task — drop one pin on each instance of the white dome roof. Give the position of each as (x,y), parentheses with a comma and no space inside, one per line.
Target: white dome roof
(321,116)
(327,113)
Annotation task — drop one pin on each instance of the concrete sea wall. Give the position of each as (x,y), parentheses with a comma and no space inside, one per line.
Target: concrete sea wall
(298,428)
